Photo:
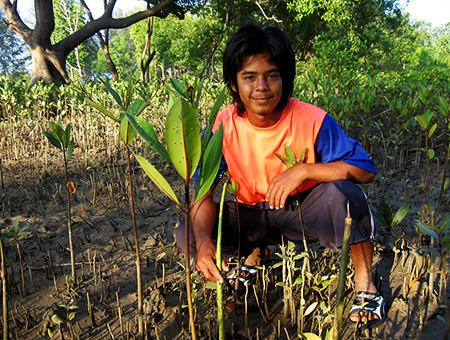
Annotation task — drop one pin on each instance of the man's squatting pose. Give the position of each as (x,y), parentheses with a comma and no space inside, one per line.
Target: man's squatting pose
(259,70)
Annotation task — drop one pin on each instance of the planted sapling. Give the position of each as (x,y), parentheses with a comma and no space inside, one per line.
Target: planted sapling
(129,108)
(17,234)
(184,151)
(60,138)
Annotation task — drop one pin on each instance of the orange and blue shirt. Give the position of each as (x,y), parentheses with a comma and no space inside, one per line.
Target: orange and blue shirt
(249,151)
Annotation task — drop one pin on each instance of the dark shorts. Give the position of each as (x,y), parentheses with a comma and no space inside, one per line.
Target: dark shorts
(323,211)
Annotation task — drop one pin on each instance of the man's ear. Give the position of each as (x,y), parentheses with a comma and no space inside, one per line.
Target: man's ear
(233,87)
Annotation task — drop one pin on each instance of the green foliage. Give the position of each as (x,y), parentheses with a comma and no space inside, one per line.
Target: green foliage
(184,146)
(60,137)
(69,18)
(15,231)
(123,53)
(183,138)
(12,54)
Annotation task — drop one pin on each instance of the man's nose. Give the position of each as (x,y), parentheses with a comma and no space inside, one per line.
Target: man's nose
(262,84)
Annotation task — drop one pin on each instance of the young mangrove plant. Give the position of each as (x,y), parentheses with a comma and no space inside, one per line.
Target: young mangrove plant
(429,129)
(17,235)
(439,233)
(60,138)
(129,107)
(185,150)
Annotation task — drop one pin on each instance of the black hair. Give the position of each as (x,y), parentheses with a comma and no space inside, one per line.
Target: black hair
(251,40)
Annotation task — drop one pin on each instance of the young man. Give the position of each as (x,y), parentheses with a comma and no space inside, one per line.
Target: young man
(259,70)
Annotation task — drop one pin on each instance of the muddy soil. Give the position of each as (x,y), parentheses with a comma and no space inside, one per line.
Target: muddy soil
(102,304)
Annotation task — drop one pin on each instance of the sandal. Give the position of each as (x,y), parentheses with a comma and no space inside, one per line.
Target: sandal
(368,303)
(247,276)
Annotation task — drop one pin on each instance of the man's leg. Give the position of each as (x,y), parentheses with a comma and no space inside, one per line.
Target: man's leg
(361,255)
(323,213)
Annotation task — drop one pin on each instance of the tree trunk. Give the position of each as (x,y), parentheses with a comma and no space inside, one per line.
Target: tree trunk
(47,67)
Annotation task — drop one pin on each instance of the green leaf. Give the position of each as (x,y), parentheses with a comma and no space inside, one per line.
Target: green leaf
(446,184)
(127,132)
(384,214)
(212,118)
(430,153)
(302,158)
(217,105)
(114,93)
(400,214)
(432,130)
(428,115)
(446,247)
(51,138)
(148,133)
(422,122)
(66,136)
(199,93)
(298,281)
(70,150)
(172,101)
(233,187)
(178,86)
(430,250)
(57,131)
(183,138)
(138,107)
(290,155)
(310,336)
(427,231)
(277,264)
(103,110)
(158,179)
(443,106)
(281,158)
(57,319)
(129,92)
(210,164)
(445,224)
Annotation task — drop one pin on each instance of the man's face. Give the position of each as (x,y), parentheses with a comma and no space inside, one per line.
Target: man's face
(260,86)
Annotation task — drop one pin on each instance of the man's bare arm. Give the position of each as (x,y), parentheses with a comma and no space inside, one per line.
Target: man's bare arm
(203,216)
(290,179)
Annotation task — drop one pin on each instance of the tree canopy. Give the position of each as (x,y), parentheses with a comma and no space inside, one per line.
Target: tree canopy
(13,58)
(49,58)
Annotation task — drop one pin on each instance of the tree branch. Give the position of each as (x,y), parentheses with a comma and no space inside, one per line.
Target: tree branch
(45,19)
(265,16)
(15,23)
(105,21)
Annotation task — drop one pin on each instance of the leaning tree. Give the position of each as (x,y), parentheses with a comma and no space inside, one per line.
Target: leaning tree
(49,60)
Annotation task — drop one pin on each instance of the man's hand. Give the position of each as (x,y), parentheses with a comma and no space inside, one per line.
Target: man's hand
(290,179)
(206,262)
(282,185)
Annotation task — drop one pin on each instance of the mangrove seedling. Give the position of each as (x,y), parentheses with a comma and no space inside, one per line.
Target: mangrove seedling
(60,138)
(184,151)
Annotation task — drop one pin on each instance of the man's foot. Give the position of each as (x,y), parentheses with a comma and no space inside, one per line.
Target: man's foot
(368,311)
(247,276)
(258,257)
